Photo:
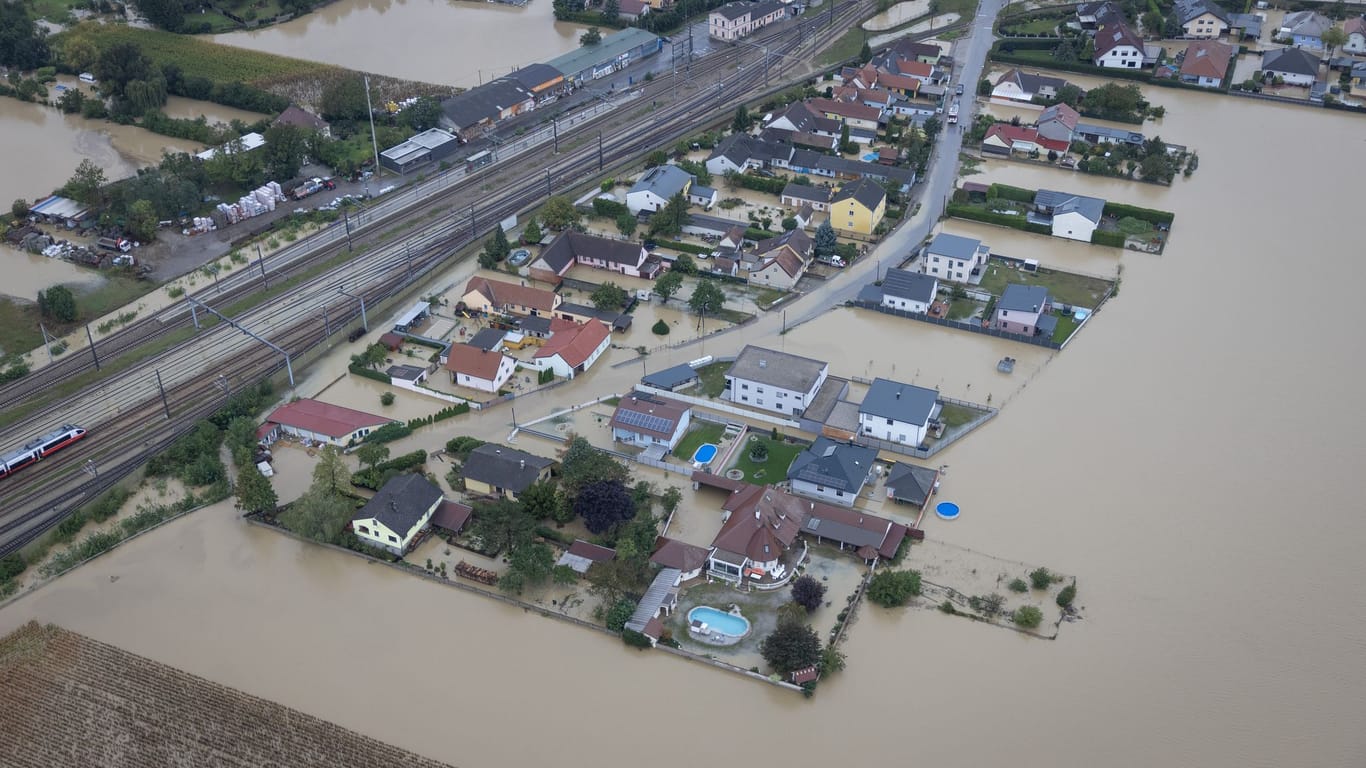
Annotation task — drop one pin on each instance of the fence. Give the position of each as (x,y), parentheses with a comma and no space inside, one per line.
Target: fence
(950,437)
(1038,341)
(722,407)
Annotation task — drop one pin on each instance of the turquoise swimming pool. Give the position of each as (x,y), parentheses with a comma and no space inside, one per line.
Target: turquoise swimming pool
(719,621)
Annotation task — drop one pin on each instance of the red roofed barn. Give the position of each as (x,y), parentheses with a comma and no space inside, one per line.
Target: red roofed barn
(323,422)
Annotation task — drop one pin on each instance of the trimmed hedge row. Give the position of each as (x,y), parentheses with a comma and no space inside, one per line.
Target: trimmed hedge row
(688,248)
(368,373)
(1120,210)
(1048,62)
(755,233)
(1007,192)
(609,209)
(388,433)
(374,477)
(774,186)
(960,211)
(1112,239)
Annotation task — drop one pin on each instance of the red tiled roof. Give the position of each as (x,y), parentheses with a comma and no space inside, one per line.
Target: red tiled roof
(788,261)
(672,553)
(391,340)
(1207,58)
(324,418)
(845,109)
(574,343)
(1013,133)
(452,515)
(763,522)
(1063,113)
(654,628)
(502,294)
(805,675)
(590,551)
(1112,36)
(632,7)
(915,68)
(473,361)
(1355,24)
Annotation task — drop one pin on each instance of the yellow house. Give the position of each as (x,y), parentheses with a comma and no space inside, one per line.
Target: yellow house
(859,207)
(497,470)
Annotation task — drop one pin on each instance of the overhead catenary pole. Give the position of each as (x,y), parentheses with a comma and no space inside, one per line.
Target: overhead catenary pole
(364,321)
(47,342)
(374,142)
(288,365)
(93,353)
(600,162)
(164,405)
(261,262)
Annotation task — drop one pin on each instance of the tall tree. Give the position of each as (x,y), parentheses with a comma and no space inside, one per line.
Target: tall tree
(684,265)
(609,295)
(670,219)
(344,99)
(502,525)
(254,492)
(611,11)
(423,114)
(743,120)
(285,150)
(706,298)
(825,240)
(141,221)
(529,564)
(57,303)
(583,464)
(121,64)
(1332,38)
(330,475)
(85,183)
(371,454)
(559,212)
(604,504)
(591,37)
(668,284)
(78,53)
(808,592)
(541,500)
(167,14)
(23,44)
(317,515)
(531,233)
(791,647)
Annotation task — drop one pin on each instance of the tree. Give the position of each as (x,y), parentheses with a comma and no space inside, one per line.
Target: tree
(78,53)
(865,54)
(706,298)
(57,303)
(660,328)
(371,454)
(890,588)
(1027,616)
(984,87)
(583,465)
(255,494)
(670,499)
(372,356)
(825,240)
(1113,100)
(743,120)
(19,208)
(932,128)
(317,515)
(1152,22)
(832,660)
(684,265)
(670,219)
(789,223)
(541,500)
(167,14)
(72,101)
(619,614)
(1071,95)
(791,613)
(1065,51)
(330,474)
(559,212)
(604,504)
(460,447)
(808,592)
(142,221)
(85,183)
(626,223)
(502,525)
(531,563)
(423,114)
(121,64)
(285,150)
(23,44)
(531,233)
(668,284)
(1332,38)
(611,11)
(613,579)
(1040,578)
(591,37)
(609,295)
(1066,595)
(791,647)
(1018,585)
(344,99)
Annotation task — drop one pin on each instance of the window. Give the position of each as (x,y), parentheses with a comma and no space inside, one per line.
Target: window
(889,421)
(362,529)
(760,390)
(744,386)
(820,489)
(744,398)
(393,539)
(839,494)
(782,394)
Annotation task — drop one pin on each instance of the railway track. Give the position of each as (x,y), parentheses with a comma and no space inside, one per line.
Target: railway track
(126,415)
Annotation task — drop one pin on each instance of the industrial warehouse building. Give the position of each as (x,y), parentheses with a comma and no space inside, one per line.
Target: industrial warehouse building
(430,146)
(616,51)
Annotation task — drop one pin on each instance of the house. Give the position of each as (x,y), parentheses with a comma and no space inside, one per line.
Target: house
(632,10)
(774,381)
(834,472)
(300,118)
(1245,26)
(816,164)
(1089,15)
(780,140)
(898,413)
(572,347)
(797,195)
(583,313)
(781,261)
(849,113)
(1074,217)
(703,196)
(1294,66)
(1358,74)
(800,117)
(319,422)
(1355,28)
(571,247)
(649,421)
(1016,85)
(1005,139)
(1201,19)
(911,484)
(858,207)
(908,291)
(488,339)
(502,298)
(582,554)
(871,537)
(658,602)
(734,21)
(735,153)
(616,52)
(687,558)
(1057,123)
(671,379)
(1117,46)
(734,238)
(760,524)
(805,216)
(1021,309)
(926,53)
(430,146)
(656,187)
(474,112)
(397,513)
(955,258)
(496,470)
(484,370)
(1305,28)
(1206,62)
(1104,134)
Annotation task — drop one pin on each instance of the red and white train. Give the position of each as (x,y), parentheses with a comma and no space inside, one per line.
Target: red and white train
(40,447)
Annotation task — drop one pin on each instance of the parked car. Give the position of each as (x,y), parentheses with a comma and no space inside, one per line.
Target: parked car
(959,89)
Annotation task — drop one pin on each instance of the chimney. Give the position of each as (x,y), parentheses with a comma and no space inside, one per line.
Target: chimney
(522,462)
(763,363)
(898,394)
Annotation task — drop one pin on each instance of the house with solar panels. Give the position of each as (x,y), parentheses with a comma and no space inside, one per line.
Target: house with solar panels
(650,422)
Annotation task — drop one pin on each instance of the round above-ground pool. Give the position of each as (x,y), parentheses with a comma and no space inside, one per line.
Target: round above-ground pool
(519,257)
(946,510)
(717,627)
(704,454)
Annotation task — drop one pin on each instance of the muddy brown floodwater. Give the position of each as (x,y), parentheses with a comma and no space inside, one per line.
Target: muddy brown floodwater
(1193,457)
(431,41)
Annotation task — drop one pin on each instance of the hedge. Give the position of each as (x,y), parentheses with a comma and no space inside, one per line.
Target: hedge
(1112,239)
(688,248)
(774,186)
(1007,192)
(977,214)
(369,373)
(554,535)
(388,433)
(755,233)
(1048,62)
(445,413)
(1120,210)
(372,478)
(721,276)
(608,208)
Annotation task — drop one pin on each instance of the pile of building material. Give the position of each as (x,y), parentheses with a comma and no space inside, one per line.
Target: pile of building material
(258,201)
(199,225)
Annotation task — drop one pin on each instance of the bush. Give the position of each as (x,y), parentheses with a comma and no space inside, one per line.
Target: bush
(374,478)
(893,588)
(369,373)
(1027,616)
(619,614)
(660,328)
(635,639)
(1007,192)
(1149,215)
(1066,595)
(386,399)
(1018,585)
(609,209)
(1040,578)
(460,447)
(1112,239)
(808,592)
(974,213)
(389,433)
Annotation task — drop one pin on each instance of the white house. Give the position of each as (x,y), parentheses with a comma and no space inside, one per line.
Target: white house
(831,471)
(573,348)
(1074,217)
(774,381)
(1355,28)
(955,258)
(1117,46)
(656,186)
(1201,19)
(1295,66)
(897,413)
(484,370)
(397,513)
(733,21)
(909,291)
(1016,85)
(650,421)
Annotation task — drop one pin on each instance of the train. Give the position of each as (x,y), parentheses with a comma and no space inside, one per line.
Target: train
(40,447)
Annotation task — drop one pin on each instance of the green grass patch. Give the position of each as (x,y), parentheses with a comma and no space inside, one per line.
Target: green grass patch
(115,294)
(713,378)
(957,415)
(19,327)
(768,297)
(700,433)
(771,470)
(733,316)
(845,47)
(54,10)
(1067,324)
(1066,287)
(1032,27)
(198,57)
(962,309)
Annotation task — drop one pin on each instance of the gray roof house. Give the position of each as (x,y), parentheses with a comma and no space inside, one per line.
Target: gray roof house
(865,191)
(1291,61)
(1023,309)
(779,370)
(397,512)
(911,483)
(956,247)
(832,471)
(1023,298)
(499,466)
(907,403)
(914,286)
(1189,10)
(479,108)
(656,186)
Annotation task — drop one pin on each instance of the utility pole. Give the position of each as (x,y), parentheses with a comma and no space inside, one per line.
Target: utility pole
(327,324)
(365,322)
(195,302)
(600,163)
(346,217)
(472,232)
(555,128)
(261,262)
(93,353)
(548,193)
(374,142)
(408,256)
(47,342)
(91,468)
(164,405)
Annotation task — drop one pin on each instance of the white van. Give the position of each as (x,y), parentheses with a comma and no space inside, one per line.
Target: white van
(87,78)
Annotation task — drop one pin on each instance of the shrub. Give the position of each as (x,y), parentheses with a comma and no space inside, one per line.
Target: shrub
(893,588)
(1027,616)
(1040,578)
(1066,595)
(660,328)
(389,433)
(619,614)
(635,639)
(386,399)
(808,592)
(374,478)
(1018,585)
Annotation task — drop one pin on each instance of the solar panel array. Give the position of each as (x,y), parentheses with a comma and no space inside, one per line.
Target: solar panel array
(644,421)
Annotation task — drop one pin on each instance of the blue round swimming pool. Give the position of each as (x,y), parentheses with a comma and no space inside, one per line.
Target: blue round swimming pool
(704,454)
(946,510)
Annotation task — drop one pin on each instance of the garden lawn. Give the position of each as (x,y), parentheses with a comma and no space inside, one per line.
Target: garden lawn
(1067,324)
(1033,27)
(774,468)
(700,433)
(1065,287)
(956,415)
(713,378)
(962,309)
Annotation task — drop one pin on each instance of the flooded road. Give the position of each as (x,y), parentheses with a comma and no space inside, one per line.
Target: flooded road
(1194,463)
(434,41)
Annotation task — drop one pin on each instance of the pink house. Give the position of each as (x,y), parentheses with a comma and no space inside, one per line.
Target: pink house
(1024,309)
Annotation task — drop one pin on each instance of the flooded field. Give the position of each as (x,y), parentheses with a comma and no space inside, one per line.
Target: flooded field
(1215,539)
(27,273)
(435,41)
(190,109)
(897,15)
